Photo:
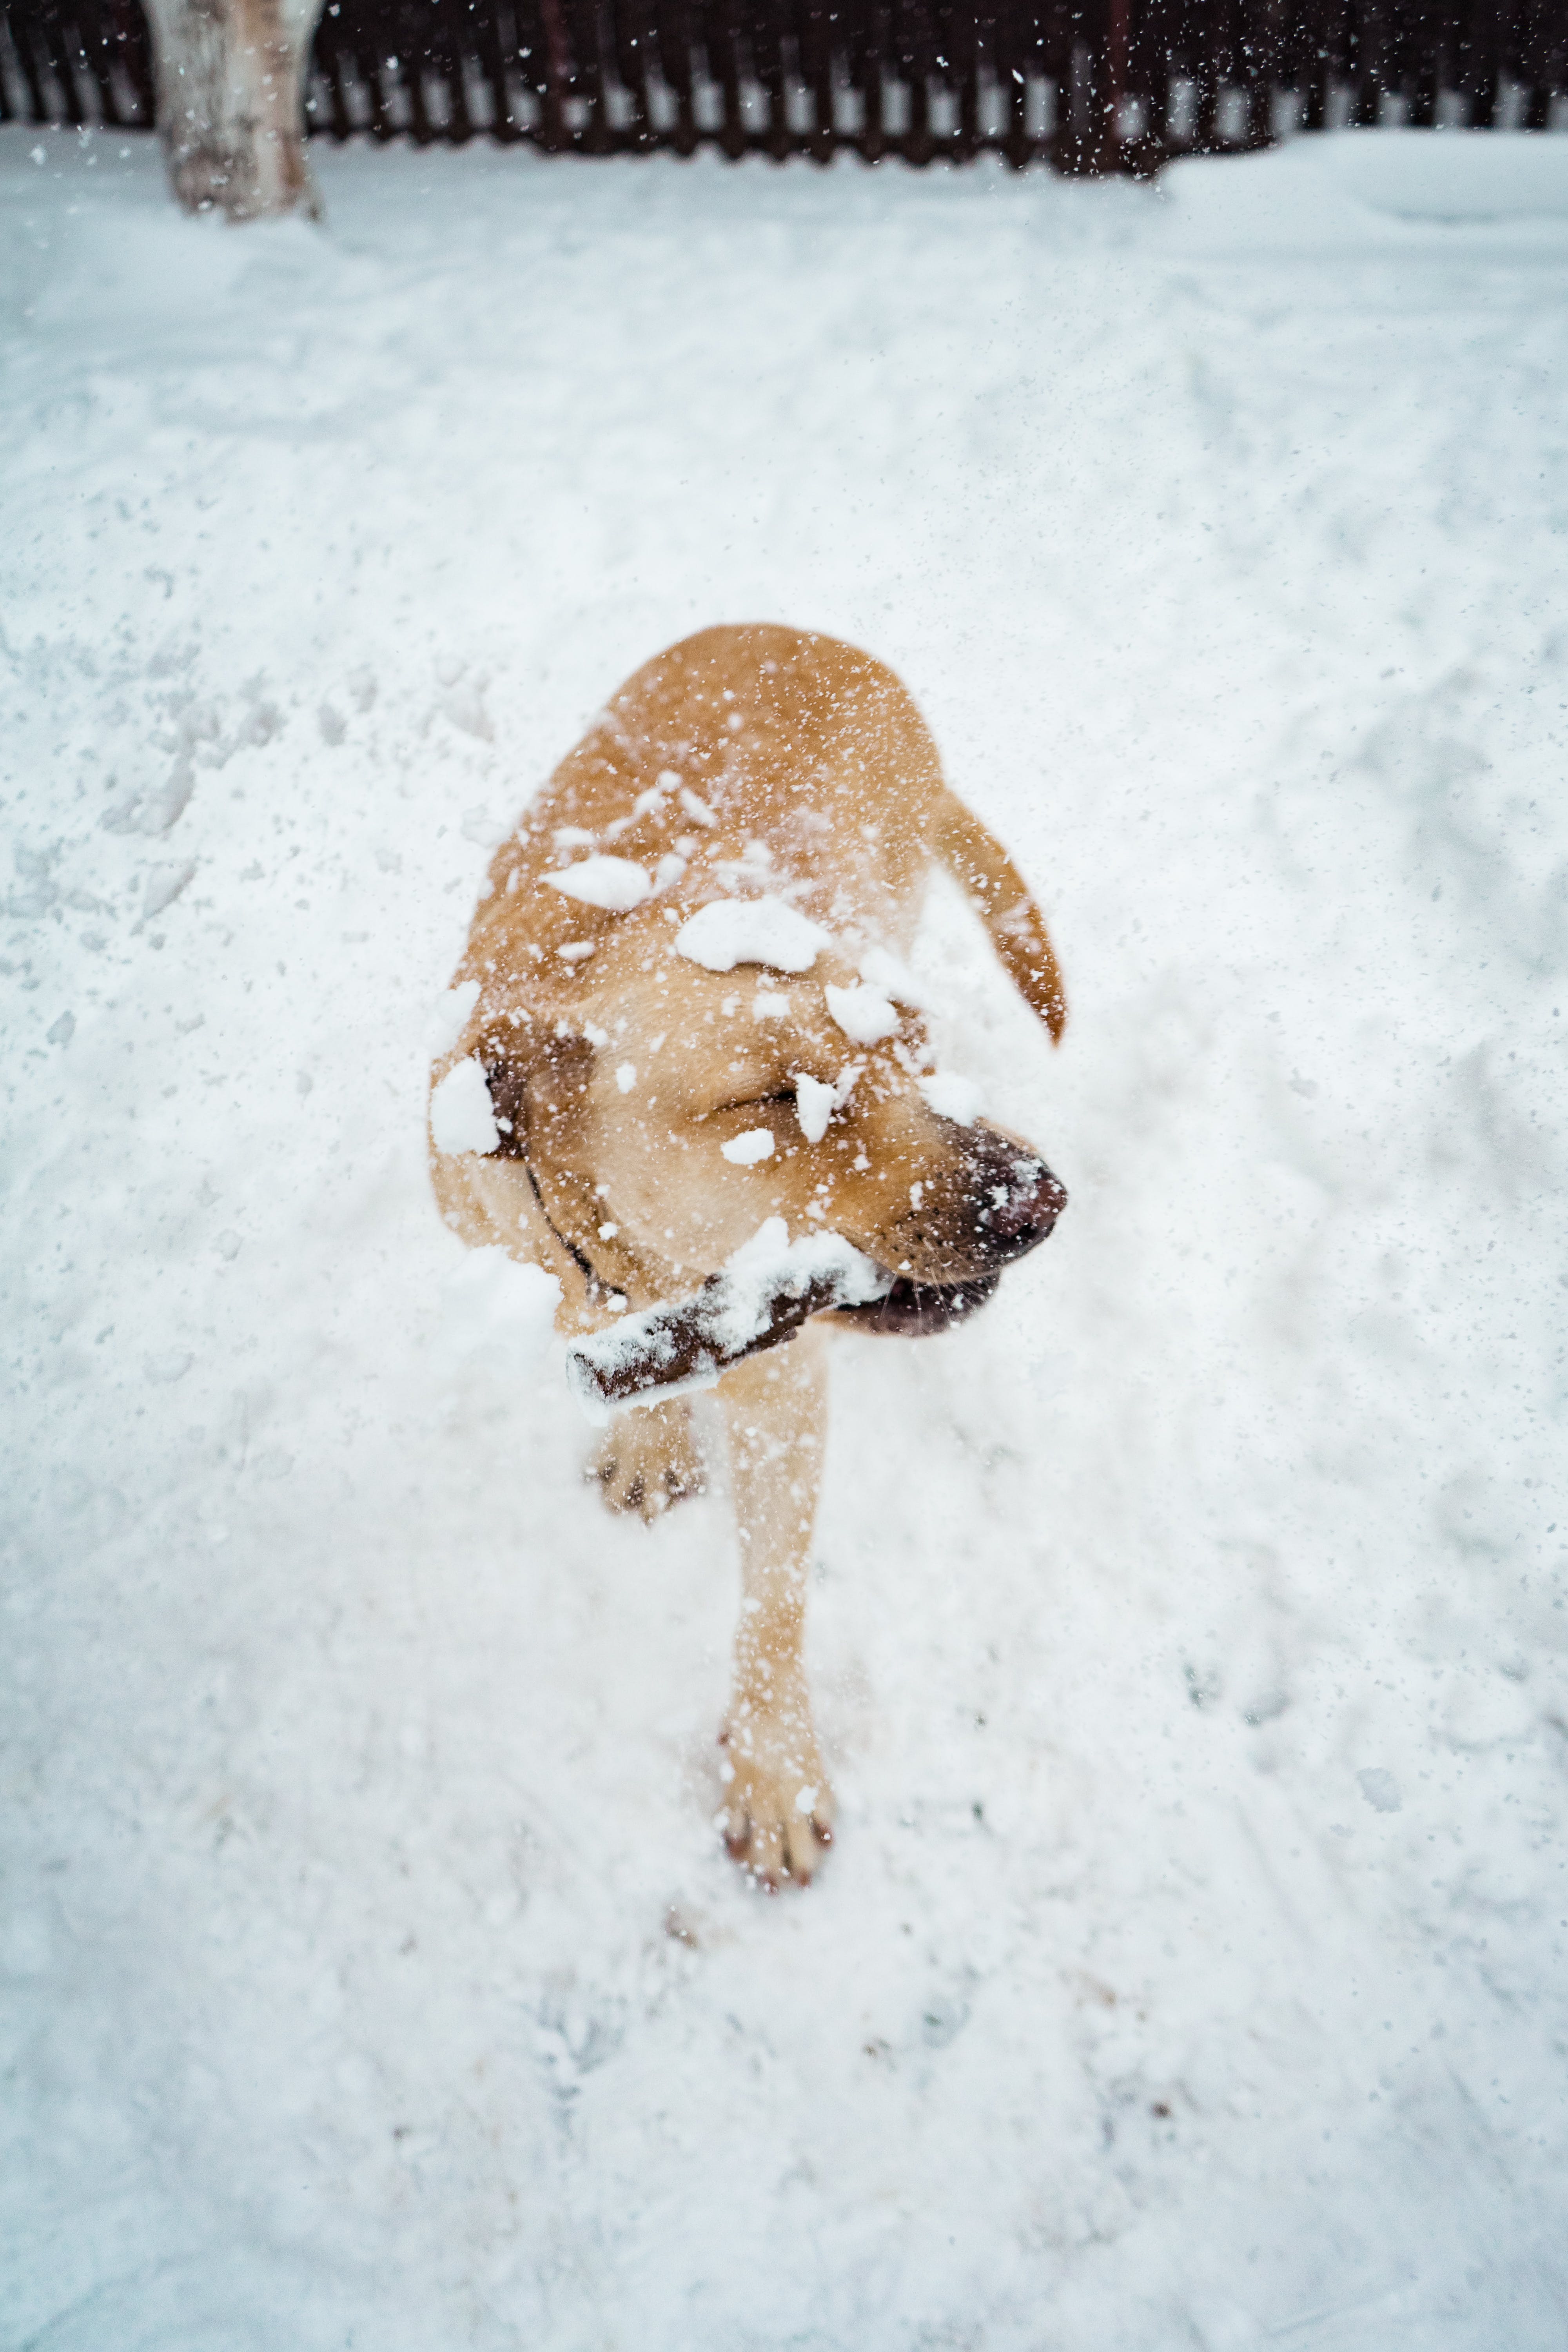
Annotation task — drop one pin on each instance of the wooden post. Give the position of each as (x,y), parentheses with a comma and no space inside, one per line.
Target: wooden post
(230,78)
(1096,145)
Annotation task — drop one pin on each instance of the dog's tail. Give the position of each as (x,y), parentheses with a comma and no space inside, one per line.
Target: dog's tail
(982,868)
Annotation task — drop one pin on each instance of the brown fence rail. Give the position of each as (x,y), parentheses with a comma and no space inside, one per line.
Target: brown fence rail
(1103,85)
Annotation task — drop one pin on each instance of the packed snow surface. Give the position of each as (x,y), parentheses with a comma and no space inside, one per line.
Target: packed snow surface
(1188,1628)
(501,1307)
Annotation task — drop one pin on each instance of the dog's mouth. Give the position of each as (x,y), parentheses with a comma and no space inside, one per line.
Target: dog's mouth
(1020,1206)
(911,1310)
(771,1286)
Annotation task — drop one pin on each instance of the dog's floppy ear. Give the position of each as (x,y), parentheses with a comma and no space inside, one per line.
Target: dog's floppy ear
(996,888)
(536,1072)
(506,1083)
(508,1179)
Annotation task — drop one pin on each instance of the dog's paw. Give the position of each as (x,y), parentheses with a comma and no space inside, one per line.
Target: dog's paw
(648,1460)
(777,1816)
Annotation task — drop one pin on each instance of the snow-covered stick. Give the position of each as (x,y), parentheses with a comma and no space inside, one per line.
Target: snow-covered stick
(760,1298)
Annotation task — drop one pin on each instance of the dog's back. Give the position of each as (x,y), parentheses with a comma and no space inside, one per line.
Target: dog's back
(769,748)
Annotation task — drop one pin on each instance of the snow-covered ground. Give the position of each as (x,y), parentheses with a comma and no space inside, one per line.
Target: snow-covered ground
(1189,1631)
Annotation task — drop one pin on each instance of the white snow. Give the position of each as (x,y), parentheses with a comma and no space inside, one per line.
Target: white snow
(753,870)
(745,1150)
(370,1969)
(451,1017)
(891,975)
(764,930)
(952,1096)
(814,1105)
(499,1321)
(616,883)
(697,809)
(462,1115)
(863,1014)
(770,1264)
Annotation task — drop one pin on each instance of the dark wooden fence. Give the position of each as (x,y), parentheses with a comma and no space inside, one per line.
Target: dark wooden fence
(1102,85)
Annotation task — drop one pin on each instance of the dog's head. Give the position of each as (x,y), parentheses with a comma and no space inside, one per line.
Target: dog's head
(690,1083)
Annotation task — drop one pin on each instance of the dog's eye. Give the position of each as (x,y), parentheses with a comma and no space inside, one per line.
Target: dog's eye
(758,1102)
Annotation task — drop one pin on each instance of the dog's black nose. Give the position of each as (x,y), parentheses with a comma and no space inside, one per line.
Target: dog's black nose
(1016,1199)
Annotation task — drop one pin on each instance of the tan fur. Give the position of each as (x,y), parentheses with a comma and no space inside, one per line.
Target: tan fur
(620,1072)
(649,1459)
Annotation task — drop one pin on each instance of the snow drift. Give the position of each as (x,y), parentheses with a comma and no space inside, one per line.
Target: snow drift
(1189,1631)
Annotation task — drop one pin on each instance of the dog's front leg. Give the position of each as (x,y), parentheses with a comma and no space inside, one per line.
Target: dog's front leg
(648,1459)
(778,1807)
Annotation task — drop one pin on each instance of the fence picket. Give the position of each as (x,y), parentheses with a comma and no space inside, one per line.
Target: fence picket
(1129,82)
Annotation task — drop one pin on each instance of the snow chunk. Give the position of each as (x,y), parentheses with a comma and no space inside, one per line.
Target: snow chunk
(749,931)
(462,1115)
(1381,1789)
(952,1097)
(863,1014)
(698,811)
(616,883)
(814,1105)
(885,971)
(451,1017)
(163,886)
(627,1077)
(751,869)
(745,1150)
(499,1314)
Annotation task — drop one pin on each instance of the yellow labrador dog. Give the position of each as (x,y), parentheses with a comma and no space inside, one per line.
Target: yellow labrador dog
(689,1026)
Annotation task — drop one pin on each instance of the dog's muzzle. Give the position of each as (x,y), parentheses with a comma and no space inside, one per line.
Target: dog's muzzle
(1011,1203)
(1020,1204)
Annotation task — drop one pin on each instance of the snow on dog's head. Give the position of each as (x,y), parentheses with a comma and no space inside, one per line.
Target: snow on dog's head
(762,931)
(777,1072)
